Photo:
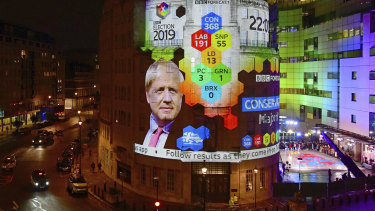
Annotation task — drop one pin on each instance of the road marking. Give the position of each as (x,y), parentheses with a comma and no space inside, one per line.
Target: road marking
(15,205)
(39,205)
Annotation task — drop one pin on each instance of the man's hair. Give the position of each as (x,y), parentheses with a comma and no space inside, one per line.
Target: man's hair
(153,72)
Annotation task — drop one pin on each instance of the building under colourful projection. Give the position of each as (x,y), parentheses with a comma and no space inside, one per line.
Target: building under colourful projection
(223,115)
(327,66)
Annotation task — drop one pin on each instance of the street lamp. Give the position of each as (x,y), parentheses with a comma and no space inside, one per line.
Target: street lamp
(80,147)
(204,172)
(255,185)
(157,203)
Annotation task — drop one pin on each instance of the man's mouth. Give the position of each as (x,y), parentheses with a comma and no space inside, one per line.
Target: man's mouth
(166,108)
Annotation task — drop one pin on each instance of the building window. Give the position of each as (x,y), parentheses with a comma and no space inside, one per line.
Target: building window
(372,22)
(249,180)
(170,180)
(143,175)
(332,75)
(372,123)
(372,51)
(262,178)
(354,97)
(372,75)
(124,172)
(372,99)
(354,75)
(354,119)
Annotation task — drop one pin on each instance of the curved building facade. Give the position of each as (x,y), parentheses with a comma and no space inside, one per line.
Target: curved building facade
(188,85)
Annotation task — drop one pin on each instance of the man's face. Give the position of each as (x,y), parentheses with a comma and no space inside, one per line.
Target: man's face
(164,98)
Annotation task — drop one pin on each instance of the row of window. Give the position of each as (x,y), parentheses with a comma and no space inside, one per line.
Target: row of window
(123,93)
(250,179)
(154,180)
(24,42)
(122,117)
(345,34)
(313,56)
(371,77)
(310,92)
(123,66)
(372,98)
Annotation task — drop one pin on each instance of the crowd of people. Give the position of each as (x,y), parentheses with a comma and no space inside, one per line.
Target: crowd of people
(317,145)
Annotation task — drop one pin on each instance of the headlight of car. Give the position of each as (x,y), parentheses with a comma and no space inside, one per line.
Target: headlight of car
(36,184)
(32,141)
(40,141)
(47,183)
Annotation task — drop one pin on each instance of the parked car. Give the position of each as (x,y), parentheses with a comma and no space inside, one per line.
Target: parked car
(64,164)
(77,184)
(58,133)
(39,179)
(24,130)
(9,163)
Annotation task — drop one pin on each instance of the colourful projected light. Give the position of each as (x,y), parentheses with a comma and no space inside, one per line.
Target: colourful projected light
(201,40)
(247,141)
(266,139)
(273,137)
(193,138)
(310,160)
(211,57)
(211,92)
(221,40)
(163,10)
(221,74)
(211,23)
(201,74)
(258,140)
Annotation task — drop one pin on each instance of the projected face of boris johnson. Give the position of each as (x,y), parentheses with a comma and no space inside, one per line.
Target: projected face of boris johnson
(162,80)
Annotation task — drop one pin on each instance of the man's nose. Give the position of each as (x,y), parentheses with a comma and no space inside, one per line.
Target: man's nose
(167,96)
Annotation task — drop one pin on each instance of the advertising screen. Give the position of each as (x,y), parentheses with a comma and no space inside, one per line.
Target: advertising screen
(220,102)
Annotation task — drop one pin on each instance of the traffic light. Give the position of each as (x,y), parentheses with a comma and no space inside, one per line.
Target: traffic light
(157,204)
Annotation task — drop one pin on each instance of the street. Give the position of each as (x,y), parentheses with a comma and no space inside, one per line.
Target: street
(15,188)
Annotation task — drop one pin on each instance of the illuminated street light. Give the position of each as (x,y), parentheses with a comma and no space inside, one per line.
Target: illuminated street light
(49,96)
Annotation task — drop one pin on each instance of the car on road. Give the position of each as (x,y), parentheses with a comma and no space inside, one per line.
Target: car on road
(77,184)
(42,139)
(64,164)
(9,163)
(39,179)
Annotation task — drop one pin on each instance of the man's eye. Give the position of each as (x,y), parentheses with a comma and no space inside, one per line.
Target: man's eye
(173,91)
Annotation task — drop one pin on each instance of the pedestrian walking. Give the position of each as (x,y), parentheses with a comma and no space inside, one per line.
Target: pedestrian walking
(99,166)
(92,167)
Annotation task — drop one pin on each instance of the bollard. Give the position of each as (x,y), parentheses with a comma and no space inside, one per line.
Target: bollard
(332,201)
(323,202)
(105,187)
(103,194)
(95,189)
(98,191)
(366,195)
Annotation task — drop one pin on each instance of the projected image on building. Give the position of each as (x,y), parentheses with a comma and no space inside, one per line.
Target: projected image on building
(222,91)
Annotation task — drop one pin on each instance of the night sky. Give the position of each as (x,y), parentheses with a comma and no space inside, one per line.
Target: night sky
(73,23)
